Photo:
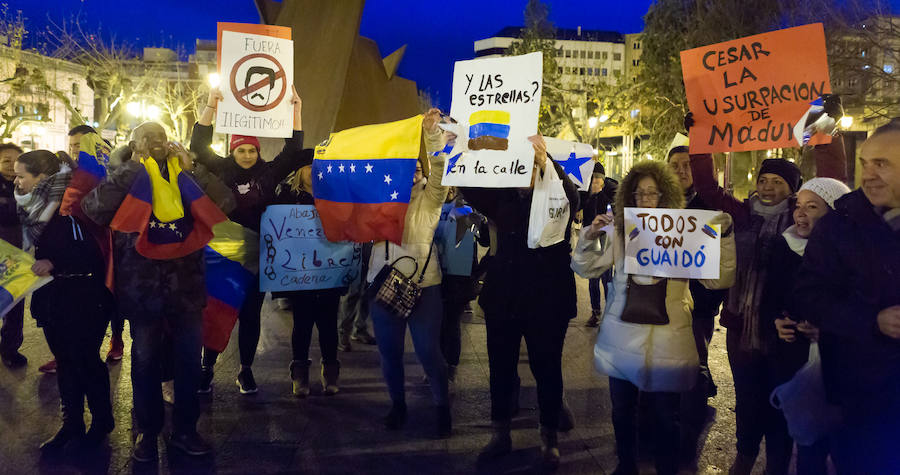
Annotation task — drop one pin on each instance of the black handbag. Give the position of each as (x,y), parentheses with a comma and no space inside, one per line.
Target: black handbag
(393,290)
(646,304)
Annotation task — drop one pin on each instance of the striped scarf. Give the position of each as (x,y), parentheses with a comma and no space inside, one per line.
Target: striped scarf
(38,207)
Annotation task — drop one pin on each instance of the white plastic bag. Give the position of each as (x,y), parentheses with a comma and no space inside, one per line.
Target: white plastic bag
(549,210)
(808,413)
(593,257)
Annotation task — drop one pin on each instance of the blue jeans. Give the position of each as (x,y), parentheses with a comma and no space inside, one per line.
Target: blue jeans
(425,328)
(596,290)
(148,333)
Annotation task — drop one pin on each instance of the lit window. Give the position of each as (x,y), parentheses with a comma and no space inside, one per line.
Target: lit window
(603,72)
(590,55)
(590,71)
(889,68)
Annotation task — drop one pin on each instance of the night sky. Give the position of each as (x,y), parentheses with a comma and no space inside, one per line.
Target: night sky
(435,40)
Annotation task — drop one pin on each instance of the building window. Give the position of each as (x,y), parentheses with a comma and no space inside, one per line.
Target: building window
(853,82)
(603,72)
(581,72)
(583,54)
(559,53)
(75,89)
(889,68)
(568,53)
(605,55)
(637,45)
(590,71)
(635,62)
(560,70)
(616,72)
(590,55)
(617,56)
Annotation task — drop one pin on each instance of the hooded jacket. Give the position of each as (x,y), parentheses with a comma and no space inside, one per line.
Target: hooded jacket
(653,357)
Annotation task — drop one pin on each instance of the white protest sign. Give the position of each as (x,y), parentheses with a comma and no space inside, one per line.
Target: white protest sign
(577,159)
(496,103)
(677,243)
(296,255)
(256,67)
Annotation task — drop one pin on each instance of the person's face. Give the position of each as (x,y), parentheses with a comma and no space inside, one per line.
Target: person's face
(451,194)
(810,207)
(245,155)
(418,176)
(597,182)
(772,189)
(681,165)
(150,140)
(74,146)
(259,97)
(646,195)
(880,161)
(7,161)
(25,181)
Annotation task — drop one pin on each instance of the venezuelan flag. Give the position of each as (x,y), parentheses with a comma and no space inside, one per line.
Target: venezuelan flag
(93,157)
(489,130)
(362,180)
(232,262)
(16,278)
(155,207)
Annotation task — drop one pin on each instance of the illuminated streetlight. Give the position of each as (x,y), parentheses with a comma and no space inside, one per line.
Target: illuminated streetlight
(152,112)
(846,122)
(25,129)
(133,108)
(596,152)
(213,79)
(592,122)
(604,118)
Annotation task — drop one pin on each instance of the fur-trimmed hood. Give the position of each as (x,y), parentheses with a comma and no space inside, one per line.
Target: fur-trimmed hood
(672,194)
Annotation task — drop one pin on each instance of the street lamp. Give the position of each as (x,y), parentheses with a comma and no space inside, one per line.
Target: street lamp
(846,122)
(152,112)
(213,79)
(133,108)
(604,118)
(592,122)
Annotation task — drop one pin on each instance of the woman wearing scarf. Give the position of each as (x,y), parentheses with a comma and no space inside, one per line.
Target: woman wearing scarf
(252,181)
(759,222)
(66,250)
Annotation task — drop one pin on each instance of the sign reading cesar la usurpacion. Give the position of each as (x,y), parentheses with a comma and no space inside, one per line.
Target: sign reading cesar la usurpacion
(747,94)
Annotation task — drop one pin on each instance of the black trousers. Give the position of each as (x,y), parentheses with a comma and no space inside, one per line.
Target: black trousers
(11,333)
(248,328)
(544,338)
(80,373)
(319,308)
(455,294)
(666,434)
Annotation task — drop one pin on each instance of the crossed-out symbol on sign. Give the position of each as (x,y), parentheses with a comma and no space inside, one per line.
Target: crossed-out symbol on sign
(249,91)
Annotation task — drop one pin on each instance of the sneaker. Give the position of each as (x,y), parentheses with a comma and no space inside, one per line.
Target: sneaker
(190,443)
(116,349)
(168,391)
(206,377)
(145,448)
(15,360)
(344,343)
(48,367)
(363,337)
(246,382)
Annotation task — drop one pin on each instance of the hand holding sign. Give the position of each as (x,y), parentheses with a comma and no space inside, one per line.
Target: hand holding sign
(297,104)
(540,150)
(675,243)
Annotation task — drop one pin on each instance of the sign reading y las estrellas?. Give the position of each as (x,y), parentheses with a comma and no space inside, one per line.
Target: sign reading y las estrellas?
(256,67)
(676,243)
(496,103)
(747,94)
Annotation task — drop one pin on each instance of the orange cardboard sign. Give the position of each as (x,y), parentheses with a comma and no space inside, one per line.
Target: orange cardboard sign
(747,94)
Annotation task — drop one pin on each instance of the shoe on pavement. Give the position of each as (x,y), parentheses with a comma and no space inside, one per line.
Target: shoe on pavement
(246,383)
(15,360)
(330,374)
(63,437)
(300,378)
(363,337)
(206,377)
(168,391)
(116,349)
(48,367)
(594,321)
(282,304)
(500,443)
(190,443)
(396,417)
(344,343)
(145,448)
(96,433)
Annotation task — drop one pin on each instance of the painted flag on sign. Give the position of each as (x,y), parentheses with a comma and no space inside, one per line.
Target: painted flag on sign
(362,180)
(16,278)
(232,262)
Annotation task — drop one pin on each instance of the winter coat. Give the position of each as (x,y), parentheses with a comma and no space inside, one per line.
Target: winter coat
(706,301)
(850,273)
(147,287)
(521,282)
(652,357)
(254,187)
(10,228)
(421,220)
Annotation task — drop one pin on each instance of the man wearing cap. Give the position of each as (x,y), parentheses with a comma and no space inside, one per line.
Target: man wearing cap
(596,200)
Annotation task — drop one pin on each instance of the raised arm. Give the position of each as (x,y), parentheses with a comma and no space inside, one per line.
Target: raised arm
(706,185)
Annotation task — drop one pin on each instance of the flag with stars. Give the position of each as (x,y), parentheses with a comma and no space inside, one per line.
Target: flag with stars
(362,180)
(577,159)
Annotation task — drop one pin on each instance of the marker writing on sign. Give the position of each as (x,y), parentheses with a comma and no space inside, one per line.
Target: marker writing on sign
(490,92)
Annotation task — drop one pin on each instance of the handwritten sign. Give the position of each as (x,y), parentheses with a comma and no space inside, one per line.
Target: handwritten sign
(496,103)
(747,94)
(577,159)
(677,243)
(295,255)
(256,64)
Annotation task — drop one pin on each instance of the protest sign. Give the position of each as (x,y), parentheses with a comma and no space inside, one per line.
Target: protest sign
(295,255)
(256,64)
(747,94)
(496,103)
(16,278)
(677,243)
(577,159)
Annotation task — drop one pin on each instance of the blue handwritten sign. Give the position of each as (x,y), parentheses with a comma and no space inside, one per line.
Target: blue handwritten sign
(677,243)
(295,255)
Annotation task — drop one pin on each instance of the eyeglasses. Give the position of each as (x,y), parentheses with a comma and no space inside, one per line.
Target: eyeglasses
(647,196)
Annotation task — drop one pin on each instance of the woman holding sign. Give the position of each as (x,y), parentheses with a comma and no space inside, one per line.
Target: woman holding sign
(252,181)
(646,342)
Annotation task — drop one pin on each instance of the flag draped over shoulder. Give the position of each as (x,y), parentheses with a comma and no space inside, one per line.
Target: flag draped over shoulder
(362,180)
(232,262)
(173,215)
(16,278)
(92,159)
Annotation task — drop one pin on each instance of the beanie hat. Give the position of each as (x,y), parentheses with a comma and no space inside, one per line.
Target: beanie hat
(238,140)
(828,189)
(783,168)
(598,168)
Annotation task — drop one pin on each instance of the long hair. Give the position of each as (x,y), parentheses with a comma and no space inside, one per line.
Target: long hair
(672,195)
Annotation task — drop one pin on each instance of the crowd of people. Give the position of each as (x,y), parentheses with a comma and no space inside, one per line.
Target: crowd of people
(807,267)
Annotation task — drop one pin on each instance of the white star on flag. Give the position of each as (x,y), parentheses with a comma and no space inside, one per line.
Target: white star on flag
(329,168)
(352,168)
(152,224)
(320,175)
(387,179)
(394,195)
(368,168)
(341,168)
(172,226)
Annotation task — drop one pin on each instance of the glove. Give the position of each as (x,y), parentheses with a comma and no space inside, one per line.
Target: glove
(688,121)
(723,219)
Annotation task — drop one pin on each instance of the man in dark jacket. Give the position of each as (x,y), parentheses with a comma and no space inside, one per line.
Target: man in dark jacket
(11,336)
(848,287)
(596,200)
(158,296)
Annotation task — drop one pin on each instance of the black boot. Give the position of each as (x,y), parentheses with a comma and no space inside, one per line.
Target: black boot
(396,417)
(444,423)
(300,378)
(66,434)
(566,417)
(549,449)
(500,444)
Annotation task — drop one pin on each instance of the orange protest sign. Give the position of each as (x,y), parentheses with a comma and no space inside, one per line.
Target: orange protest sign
(747,94)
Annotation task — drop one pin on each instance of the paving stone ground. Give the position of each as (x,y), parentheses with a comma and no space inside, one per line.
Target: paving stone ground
(273,432)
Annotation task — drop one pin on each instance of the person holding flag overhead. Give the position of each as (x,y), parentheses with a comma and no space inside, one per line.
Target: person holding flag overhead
(252,181)
(163,219)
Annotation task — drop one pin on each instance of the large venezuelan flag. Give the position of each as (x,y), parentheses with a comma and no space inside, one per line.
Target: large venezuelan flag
(174,218)
(362,180)
(232,262)
(16,278)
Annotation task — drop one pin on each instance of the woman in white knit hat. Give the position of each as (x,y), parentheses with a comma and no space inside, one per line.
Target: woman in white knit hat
(789,335)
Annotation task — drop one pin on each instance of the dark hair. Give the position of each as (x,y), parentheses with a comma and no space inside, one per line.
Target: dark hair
(892,126)
(260,70)
(10,146)
(39,161)
(82,129)
(678,149)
